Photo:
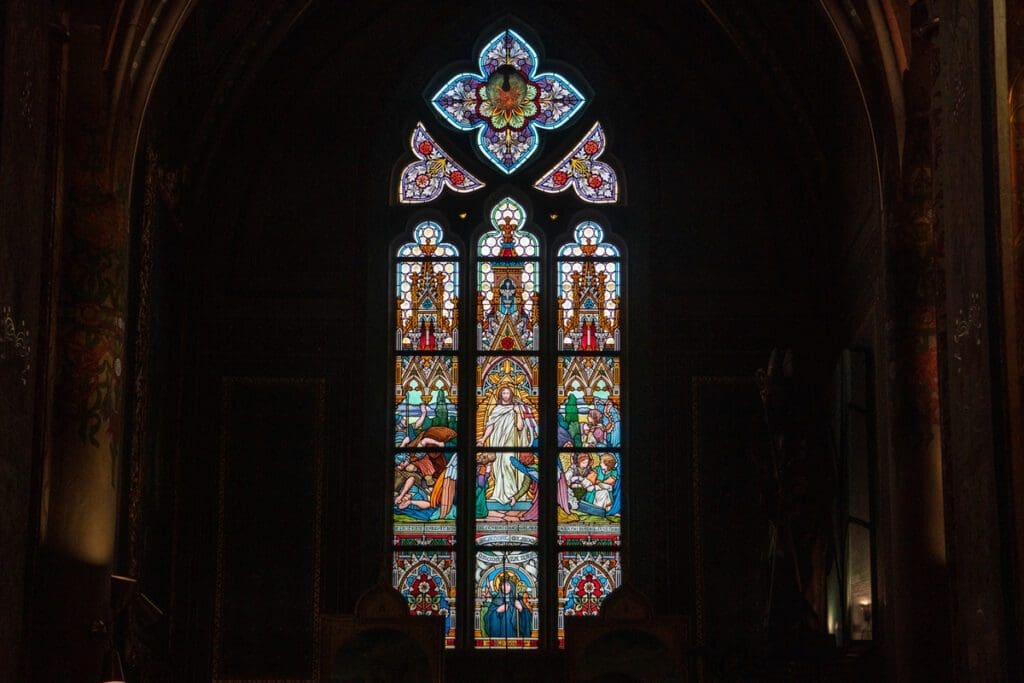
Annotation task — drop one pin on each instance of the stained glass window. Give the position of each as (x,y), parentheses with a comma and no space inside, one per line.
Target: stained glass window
(506,611)
(508,475)
(508,101)
(508,466)
(589,416)
(426,423)
(508,430)
(508,283)
(593,181)
(585,578)
(427,580)
(424,179)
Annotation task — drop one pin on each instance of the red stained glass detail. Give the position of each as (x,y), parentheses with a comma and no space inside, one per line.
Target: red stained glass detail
(590,147)
(588,595)
(507,343)
(457,177)
(595,181)
(560,177)
(422,180)
(424,595)
(426,148)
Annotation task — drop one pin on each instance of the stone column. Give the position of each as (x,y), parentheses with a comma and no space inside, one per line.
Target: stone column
(973,437)
(80,488)
(1012,121)
(916,569)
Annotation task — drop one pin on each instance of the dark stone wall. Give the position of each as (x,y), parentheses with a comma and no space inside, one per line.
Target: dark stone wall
(268,527)
(280,245)
(1013,278)
(26,243)
(754,162)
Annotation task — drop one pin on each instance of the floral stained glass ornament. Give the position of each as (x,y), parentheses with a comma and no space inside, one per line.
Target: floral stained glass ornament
(423,180)
(593,180)
(427,580)
(584,581)
(508,101)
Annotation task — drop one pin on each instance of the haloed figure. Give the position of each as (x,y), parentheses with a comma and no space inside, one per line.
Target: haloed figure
(508,425)
(508,614)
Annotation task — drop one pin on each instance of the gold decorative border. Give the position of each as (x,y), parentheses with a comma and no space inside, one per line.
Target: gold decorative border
(320,386)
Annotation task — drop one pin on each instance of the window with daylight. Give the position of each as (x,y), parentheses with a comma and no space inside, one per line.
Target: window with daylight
(508,476)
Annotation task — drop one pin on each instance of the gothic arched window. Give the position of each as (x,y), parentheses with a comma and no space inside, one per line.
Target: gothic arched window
(508,477)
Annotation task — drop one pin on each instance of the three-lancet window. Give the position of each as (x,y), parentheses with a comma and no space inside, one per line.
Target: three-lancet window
(508,476)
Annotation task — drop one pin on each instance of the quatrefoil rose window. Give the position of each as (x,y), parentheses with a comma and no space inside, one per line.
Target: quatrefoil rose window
(508,101)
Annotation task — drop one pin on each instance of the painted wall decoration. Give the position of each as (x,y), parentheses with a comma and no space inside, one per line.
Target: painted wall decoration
(14,342)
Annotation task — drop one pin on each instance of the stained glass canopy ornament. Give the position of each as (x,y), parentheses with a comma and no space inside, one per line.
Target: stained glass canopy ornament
(508,101)
(588,237)
(423,180)
(429,243)
(594,181)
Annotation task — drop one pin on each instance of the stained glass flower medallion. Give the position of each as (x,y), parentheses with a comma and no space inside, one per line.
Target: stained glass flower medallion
(584,580)
(508,101)
(427,581)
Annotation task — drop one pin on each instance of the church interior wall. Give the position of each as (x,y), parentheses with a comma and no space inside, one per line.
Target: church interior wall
(760,174)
